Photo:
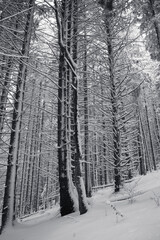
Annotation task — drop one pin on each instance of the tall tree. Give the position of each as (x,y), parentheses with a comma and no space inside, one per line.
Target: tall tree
(68,88)
(8,210)
(108,16)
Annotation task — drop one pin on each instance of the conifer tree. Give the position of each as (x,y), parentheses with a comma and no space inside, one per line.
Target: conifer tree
(8,211)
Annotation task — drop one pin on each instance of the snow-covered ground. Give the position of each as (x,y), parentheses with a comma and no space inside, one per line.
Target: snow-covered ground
(140,221)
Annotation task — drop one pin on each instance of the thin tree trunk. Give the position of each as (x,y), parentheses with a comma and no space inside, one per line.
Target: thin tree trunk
(26,152)
(86,127)
(30,152)
(149,133)
(4,95)
(141,159)
(148,163)
(40,151)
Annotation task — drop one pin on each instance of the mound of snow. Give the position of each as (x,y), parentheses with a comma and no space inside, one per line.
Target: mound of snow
(140,221)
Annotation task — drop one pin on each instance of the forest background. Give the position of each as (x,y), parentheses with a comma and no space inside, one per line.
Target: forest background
(79,100)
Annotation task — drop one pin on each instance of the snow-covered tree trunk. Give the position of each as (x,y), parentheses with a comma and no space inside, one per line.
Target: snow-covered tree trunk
(4,95)
(140,151)
(39,162)
(149,133)
(24,169)
(67,201)
(77,150)
(145,145)
(86,121)
(104,162)
(67,77)
(108,15)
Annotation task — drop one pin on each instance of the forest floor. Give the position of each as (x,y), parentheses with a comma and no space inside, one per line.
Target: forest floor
(136,202)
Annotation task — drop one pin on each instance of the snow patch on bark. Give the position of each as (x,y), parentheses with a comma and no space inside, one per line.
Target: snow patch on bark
(72,189)
(84,193)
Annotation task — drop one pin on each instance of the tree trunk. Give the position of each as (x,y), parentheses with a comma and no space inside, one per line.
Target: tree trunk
(149,133)
(4,95)
(67,191)
(26,152)
(141,159)
(66,201)
(86,127)
(108,12)
(145,146)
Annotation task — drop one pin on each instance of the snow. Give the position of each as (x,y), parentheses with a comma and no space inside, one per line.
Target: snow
(140,220)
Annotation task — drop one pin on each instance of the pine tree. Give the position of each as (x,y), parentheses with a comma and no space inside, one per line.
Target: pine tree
(8,211)
(68,111)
